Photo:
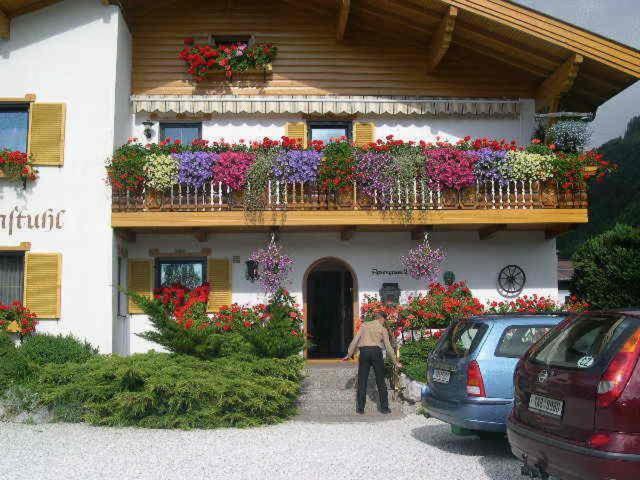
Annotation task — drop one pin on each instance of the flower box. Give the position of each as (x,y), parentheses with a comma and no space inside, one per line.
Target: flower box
(469,197)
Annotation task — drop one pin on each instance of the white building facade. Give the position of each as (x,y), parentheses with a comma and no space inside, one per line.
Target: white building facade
(75,255)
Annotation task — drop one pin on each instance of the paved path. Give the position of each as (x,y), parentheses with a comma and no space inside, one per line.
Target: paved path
(405,448)
(329,395)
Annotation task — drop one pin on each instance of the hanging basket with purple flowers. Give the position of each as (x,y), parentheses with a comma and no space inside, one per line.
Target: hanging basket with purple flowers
(423,261)
(274,266)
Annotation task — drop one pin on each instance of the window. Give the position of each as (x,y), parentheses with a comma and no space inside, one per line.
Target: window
(185,132)
(14,126)
(188,272)
(325,131)
(462,339)
(584,342)
(11,277)
(515,341)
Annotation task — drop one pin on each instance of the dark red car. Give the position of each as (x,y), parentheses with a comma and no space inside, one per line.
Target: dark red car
(576,408)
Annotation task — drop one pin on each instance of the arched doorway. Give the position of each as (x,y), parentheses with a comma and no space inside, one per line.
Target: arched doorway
(330,301)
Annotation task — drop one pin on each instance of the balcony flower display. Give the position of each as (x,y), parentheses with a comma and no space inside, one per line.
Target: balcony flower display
(17,166)
(230,58)
(17,319)
(297,165)
(525,166)
(195,168)
(377,174)
(125,170)
(161,172)
(423,261)
(338,168)
(450,168)
(231,169)
(491,165)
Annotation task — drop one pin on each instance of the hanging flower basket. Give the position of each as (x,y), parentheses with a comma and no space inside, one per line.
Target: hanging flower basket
(274,266)
(424,262)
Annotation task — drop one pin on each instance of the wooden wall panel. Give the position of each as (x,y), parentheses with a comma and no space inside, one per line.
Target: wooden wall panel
(310,61)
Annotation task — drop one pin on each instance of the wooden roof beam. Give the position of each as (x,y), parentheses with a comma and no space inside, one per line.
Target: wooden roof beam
(344,8)
(441,39)
(559,83)
(489,231)
(5,25)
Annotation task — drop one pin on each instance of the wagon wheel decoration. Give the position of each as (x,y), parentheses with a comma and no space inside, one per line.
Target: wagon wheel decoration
(511,280)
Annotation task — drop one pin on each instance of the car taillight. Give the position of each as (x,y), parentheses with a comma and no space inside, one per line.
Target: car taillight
(617,375)
(599,440)
(475,384)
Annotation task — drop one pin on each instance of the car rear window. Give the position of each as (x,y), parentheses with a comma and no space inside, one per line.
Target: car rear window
(516,340)
(462,339)
(584,341)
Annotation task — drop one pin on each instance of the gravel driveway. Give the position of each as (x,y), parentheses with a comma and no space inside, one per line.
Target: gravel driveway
(410,447)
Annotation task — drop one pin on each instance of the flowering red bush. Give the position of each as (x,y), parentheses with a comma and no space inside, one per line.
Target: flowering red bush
(234,57)
(16,318)
(525,304)
(17,166)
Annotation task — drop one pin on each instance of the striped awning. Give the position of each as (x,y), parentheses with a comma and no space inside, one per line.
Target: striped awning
(322,105)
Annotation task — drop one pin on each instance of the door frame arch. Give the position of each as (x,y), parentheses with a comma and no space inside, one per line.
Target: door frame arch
(305,292)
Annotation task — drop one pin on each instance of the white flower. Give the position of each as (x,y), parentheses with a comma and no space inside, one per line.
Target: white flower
(161,172)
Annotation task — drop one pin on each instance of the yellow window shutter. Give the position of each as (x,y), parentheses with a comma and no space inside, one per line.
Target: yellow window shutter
(139,280)
(297,130)
(364,133)
(42,283)
(46,133)
(219,278)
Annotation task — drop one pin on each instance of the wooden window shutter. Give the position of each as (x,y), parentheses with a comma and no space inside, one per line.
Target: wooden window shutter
(364,133)
(297,130)
(42,283)
(46,133)
(139,280)
(219,278)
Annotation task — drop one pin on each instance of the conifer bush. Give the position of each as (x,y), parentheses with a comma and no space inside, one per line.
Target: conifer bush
(158,390)
(43,349)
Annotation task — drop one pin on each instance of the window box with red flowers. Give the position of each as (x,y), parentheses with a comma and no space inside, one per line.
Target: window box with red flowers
(231,58)
(16,166)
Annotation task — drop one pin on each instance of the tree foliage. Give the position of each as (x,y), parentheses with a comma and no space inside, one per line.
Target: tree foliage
(607,269)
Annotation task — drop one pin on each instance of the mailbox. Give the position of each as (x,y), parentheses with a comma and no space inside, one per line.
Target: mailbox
(390,293)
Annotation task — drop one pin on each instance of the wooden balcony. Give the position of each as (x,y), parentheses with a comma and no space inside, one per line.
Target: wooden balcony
(516,206)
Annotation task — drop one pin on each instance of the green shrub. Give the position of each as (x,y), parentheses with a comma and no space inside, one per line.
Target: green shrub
(15,367)
(607,269)
(158,390)
(43,349)
(413,356)
(281,336)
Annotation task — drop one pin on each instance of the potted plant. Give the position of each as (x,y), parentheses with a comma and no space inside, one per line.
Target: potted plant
(229,58)
(451,170)
(376,177)
(161,172)
(17,320)
(490,169)
(529,166)
(337,171)
(297,169)
(125,172)
(231,171)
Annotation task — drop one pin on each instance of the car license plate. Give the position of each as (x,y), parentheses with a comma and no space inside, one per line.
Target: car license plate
(441,376)
(546,405)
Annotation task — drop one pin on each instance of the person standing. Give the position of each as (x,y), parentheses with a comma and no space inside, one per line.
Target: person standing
(371,335)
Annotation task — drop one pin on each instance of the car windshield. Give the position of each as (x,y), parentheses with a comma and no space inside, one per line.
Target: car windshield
(462,339)
(516,340)
(583,342)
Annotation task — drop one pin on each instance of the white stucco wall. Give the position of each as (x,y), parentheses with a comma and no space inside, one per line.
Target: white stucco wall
(233,128)
(477,262)
(67,53)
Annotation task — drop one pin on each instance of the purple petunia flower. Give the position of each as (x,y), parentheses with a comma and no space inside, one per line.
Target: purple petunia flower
(195,168)
(297,166)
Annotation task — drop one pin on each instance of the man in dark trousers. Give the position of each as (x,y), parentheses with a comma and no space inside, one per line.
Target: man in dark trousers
(371,335)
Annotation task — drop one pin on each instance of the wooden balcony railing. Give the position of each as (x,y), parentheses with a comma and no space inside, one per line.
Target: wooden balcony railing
(279,196)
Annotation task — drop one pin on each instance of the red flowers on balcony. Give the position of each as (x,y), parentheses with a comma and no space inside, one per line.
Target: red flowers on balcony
(17,166)
(230,58)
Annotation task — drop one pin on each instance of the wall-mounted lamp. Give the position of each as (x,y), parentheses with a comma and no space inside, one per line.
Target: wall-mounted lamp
(252,270)
(148,131)
(449,277)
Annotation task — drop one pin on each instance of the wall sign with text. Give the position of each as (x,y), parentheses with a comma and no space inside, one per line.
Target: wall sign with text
(378,272)
(17,219)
